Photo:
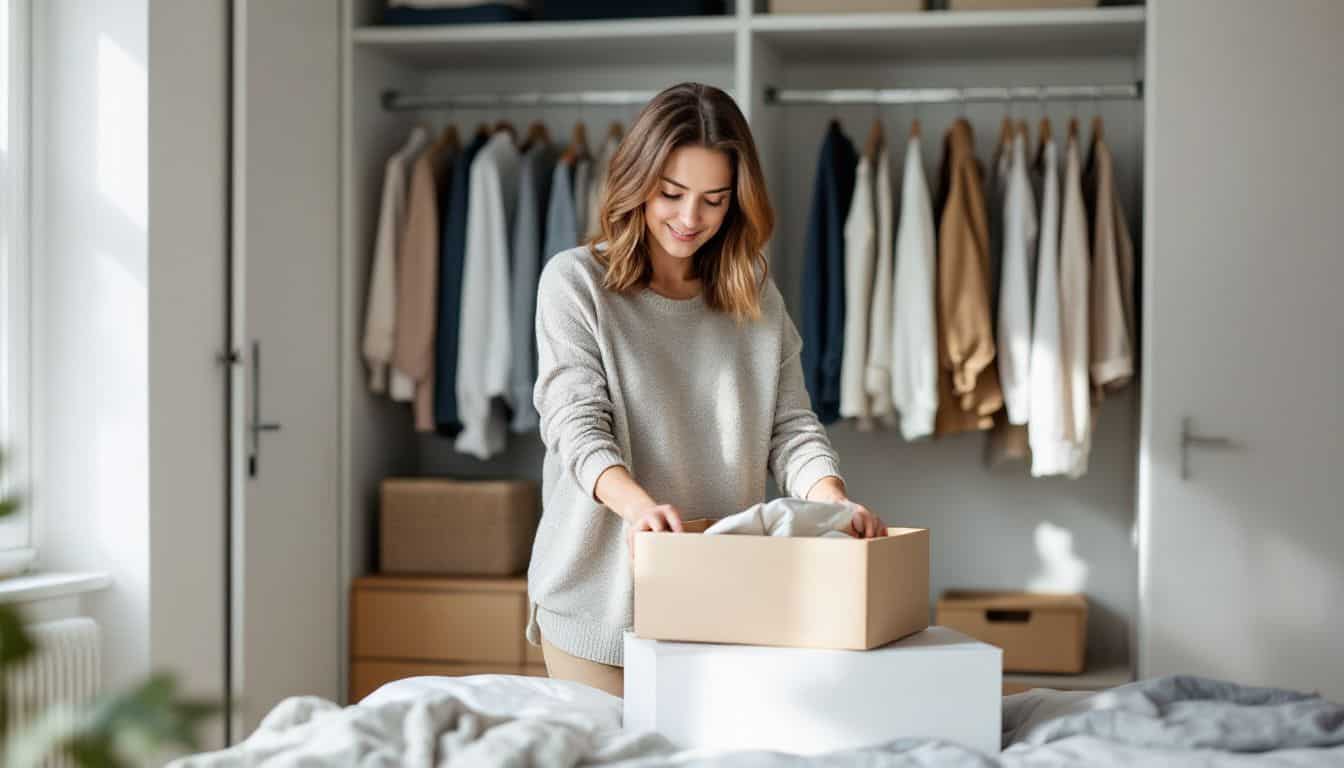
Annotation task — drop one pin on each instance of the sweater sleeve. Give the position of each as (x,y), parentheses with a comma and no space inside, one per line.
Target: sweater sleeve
(800,452)
(571,393)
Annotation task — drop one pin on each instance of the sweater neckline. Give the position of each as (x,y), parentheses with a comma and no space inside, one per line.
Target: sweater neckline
(668,304)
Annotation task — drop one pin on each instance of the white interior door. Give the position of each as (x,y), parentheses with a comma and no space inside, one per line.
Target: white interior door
(286,205)
(1242,564)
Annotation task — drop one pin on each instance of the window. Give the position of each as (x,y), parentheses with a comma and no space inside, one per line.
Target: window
(16,532)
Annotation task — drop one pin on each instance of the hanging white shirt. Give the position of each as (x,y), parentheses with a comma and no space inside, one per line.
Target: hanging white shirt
(484,325)
(860,254)
(877,377)
(380,312)
(1045,431)
(914,342)
(1074,288)
(1019,244)
(1059,430)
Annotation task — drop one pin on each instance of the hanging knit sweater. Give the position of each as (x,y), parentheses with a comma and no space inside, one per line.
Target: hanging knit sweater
(697,406)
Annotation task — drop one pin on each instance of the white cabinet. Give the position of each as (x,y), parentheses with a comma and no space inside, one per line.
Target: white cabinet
(287,591)
(1241,571)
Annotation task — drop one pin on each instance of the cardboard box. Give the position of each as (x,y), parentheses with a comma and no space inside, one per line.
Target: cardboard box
(457,528)
(845,6)
(793,592)
(936,684)
(1017,5)
(1038,633)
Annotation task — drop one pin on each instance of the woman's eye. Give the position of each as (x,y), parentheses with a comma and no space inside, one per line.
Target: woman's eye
(672,196)
(714,203)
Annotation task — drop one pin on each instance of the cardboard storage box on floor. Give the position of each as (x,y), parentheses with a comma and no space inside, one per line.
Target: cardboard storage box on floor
(845,6)
(405,626)
(1038,633)
(1017,5)
(937,684)
(457,527)
(769,590)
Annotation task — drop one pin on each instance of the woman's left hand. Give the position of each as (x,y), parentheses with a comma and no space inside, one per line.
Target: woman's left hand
(864,524)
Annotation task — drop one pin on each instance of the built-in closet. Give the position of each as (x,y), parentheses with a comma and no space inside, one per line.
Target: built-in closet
(991,526)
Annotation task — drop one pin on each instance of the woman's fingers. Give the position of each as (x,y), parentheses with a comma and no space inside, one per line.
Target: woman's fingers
(673,518)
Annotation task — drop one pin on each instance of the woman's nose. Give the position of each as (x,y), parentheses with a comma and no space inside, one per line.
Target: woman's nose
(689,215)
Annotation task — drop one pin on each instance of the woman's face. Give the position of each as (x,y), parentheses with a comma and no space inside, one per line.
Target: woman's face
(690,201)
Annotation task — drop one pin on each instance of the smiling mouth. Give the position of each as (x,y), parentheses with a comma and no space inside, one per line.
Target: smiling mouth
(683,236)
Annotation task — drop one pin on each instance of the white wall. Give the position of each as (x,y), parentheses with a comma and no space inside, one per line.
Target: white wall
(129,173)
(91,279)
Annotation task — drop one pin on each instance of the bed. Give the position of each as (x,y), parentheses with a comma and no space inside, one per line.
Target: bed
(489,720)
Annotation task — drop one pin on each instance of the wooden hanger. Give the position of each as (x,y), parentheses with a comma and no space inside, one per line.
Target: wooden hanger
(615,130)
(1096,129)
(578,144)
(1073,128)
(1021,129)
(482,129)
(876,139)
(914,128)
(536,134)
(447,140)
(505,125)
(1006,131)
(1046,133)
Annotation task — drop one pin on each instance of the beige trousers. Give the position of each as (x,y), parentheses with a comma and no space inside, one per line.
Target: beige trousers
(562,666)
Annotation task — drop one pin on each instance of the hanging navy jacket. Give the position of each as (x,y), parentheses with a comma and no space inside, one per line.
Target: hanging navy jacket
(824,273)
(452,249)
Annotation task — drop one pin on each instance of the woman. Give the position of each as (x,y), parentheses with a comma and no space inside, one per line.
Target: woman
(669,380)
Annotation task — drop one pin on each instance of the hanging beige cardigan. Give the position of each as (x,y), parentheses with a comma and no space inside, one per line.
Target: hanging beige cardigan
(968,383)
(1112,305)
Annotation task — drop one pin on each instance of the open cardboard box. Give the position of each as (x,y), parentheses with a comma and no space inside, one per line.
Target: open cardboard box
(838,593)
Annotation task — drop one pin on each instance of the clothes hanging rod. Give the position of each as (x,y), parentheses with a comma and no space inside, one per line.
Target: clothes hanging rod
(395,101)
(1113,91)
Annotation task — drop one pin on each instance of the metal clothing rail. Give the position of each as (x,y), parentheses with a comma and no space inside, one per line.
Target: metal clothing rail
(1114,91)
(395,101)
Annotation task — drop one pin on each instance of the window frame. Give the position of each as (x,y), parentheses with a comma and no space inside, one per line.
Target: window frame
(19,534)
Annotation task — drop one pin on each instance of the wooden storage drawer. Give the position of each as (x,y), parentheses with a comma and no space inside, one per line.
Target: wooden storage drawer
(403,620)
(1038,633)
(367,676)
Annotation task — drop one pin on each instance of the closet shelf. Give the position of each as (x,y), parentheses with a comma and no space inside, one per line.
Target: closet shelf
(953,34)
(572,43)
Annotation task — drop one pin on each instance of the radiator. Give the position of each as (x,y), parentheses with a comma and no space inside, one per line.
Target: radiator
(63,670)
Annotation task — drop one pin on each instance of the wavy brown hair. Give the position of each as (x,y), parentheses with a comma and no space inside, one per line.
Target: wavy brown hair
(731,264)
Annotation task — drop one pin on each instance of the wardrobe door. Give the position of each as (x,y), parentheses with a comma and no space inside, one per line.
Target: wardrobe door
(286,195)
(1242,462)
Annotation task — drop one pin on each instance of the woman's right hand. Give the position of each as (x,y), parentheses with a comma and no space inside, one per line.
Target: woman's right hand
(655,517)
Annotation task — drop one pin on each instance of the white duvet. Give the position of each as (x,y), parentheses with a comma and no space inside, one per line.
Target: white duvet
(503,720)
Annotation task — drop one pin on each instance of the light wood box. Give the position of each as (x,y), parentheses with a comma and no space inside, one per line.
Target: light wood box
(1038,633)
(404,626)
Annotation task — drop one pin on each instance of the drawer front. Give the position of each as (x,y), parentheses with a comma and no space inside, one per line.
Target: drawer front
(463,627)
(367,676)
(1038,641)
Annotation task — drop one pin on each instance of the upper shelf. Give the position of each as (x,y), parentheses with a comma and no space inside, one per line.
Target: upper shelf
(623,42)
(955,34)
(576,43)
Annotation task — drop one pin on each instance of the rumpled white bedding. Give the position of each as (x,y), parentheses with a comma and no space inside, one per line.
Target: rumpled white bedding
(502,720)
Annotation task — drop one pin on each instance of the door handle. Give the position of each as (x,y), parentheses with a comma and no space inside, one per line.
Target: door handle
(1191,439)
(257,426)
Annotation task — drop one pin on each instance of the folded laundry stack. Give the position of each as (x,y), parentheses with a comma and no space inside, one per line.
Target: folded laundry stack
(785,633)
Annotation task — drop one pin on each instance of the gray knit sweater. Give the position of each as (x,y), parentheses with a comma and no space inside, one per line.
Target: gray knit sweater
(695,405)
